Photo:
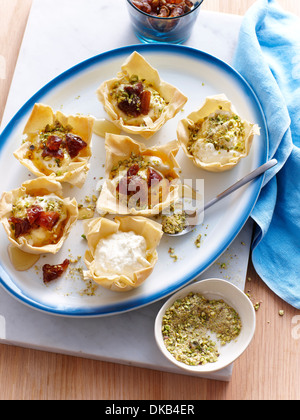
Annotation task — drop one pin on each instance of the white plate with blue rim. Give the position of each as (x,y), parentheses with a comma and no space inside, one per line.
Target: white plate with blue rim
(197,75)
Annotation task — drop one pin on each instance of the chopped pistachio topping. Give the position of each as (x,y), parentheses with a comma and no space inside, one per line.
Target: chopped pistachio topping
(123,165)
(198,241)
(186,324)
(174,223)
(172,254)
(223,129)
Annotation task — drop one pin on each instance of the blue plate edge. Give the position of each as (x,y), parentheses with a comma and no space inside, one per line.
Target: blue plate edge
(256,185)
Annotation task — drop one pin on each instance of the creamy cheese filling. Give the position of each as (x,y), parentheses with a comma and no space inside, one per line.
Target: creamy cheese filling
(48,164)
(50,202)
(41,236)
(218,138)
(121,253)
(157,163)
(208,154)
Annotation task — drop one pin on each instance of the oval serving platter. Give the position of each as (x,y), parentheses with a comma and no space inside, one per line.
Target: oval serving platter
(197,75)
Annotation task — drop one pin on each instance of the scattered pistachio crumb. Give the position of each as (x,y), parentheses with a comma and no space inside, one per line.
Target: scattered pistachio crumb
(256,306)
(90,288)
(75,260)
(198,241)
(172,255)
(281,312)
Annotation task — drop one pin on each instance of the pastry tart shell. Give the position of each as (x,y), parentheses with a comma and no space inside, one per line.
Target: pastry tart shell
(119,148)
(212,104)
(82,126)
(37,187)
(100,228)
(137,65)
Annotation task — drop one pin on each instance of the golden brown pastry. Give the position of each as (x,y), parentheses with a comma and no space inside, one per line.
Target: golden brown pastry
(215,137)
(137,100)
(36,217)
(139,180)
(57,145)
(122,253)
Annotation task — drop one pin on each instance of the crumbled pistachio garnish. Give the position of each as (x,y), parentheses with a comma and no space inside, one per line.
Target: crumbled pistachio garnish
(75,260)
(222,129)
(90,288)
(123,165)
(198,241)
(257,306)
(85,212)
(281,312)
(188,321)
(172,255)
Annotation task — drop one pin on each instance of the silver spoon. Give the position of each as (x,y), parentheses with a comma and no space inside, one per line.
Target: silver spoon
(247,178)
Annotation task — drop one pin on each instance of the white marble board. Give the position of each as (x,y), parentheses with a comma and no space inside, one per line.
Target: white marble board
(75,34)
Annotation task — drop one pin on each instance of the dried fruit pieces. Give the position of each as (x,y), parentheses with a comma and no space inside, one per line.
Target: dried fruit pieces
(137,100)
(53,272)
(36,217)
(164,8)
(57,145)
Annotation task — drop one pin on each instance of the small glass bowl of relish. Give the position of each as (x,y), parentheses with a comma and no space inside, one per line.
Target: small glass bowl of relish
(163,20)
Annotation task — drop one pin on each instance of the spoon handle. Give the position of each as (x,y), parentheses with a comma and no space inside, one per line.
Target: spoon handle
(252,175)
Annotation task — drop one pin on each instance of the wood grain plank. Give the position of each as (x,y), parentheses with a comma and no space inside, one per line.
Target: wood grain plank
(13,19)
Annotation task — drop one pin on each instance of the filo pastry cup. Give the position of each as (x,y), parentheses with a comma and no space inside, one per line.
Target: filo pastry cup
(39,188)
(72,170)
(212,156)
(144,125)
(120,148)
(101,229)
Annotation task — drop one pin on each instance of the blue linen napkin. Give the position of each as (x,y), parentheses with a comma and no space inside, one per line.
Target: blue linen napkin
(268,57)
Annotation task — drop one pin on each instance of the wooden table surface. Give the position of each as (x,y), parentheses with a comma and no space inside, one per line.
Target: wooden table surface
(269,369)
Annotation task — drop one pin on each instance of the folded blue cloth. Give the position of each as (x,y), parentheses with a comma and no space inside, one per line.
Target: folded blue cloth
(268,57)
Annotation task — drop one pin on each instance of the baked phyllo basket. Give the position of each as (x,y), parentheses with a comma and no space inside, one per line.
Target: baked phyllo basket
(137,100)
(115,266)
(36,217)
(138,180)
(57,145)
(214,137)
